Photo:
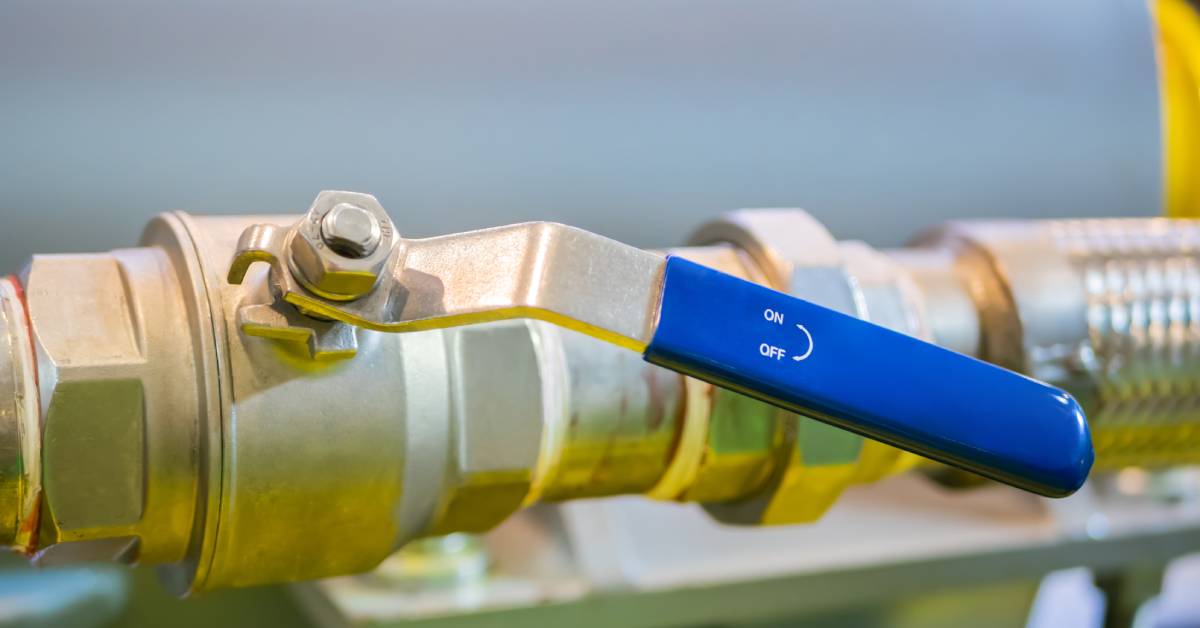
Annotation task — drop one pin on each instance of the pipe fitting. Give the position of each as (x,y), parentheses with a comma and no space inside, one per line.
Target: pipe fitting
(20,423)
(797,466)
(1104,308)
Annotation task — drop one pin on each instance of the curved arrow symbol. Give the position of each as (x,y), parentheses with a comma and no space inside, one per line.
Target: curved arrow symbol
(804,356)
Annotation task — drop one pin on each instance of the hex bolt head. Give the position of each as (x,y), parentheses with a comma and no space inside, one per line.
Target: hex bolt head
(351,231)
(342,245)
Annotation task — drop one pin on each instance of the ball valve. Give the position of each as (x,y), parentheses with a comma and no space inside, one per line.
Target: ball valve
(237,423)
(682,316)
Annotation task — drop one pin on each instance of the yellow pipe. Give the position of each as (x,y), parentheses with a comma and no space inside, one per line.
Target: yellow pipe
(1179,79)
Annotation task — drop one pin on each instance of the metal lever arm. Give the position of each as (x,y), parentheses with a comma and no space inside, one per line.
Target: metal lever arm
(542,270)
(733,333)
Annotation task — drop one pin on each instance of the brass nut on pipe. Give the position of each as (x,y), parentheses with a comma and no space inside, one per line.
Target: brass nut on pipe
(117,470)
(498,424)
(792,468)
(730,446)
(93,452)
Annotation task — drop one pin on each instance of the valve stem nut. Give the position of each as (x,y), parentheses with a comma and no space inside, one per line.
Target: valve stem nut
(341,247)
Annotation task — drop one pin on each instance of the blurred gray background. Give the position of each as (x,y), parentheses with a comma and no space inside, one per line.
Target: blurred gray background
(635,119)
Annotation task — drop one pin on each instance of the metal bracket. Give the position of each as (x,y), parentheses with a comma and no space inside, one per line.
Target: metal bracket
(325,340)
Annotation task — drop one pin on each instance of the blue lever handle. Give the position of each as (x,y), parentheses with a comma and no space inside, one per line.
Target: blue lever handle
(870,380)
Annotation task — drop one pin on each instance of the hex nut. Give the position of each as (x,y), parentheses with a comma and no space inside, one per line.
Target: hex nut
(341,259)
(119,406)
(93,449)
(743,441)
(795,254)
(495,445)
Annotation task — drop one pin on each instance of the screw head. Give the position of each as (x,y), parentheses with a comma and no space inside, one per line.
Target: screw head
(351,231)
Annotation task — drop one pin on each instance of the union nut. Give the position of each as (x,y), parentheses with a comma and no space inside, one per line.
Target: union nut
(341,263)
(118,394)
(811,463)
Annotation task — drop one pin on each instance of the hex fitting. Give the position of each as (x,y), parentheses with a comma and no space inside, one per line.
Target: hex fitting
(341,246)
(804,464)
(119,405)
(495,447)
